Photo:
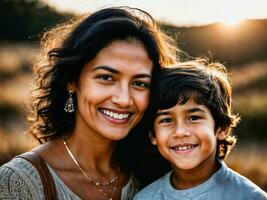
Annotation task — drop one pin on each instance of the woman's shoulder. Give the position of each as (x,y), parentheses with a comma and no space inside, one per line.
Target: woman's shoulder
(131,188)
(19,179)
(18,167)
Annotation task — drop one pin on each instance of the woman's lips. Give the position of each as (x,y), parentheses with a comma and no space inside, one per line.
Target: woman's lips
(116,116)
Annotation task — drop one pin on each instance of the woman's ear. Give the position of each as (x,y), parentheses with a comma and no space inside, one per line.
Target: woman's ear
(222,133)
(71,87)
(152,138)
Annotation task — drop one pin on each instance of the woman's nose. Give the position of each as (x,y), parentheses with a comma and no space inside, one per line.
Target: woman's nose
(122,97)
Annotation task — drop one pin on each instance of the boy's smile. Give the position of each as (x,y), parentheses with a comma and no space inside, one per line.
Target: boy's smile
(185,135)
(183,148)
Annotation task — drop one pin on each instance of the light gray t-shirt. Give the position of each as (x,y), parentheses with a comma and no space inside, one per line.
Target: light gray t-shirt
(225,184)
(20,180)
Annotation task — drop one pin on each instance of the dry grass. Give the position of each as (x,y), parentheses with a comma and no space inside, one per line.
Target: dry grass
(249,159)
(13,57)
(14,143)
(248,73)
(15,91)
(254,102)
(15,83)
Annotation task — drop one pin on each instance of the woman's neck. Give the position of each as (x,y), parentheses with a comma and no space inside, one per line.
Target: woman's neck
(92,153)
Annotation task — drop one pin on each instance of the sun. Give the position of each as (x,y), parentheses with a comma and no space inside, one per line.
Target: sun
(230,18)
(231,22)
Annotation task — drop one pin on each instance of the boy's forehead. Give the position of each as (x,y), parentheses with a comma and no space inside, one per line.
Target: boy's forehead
(191,105)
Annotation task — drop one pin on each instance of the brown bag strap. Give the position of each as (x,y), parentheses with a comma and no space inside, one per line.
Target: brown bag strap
(46,178)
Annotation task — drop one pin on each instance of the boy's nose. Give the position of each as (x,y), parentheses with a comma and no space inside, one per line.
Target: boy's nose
(122,97)
(181,131)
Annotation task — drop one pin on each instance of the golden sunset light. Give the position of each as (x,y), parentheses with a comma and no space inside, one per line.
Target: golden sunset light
(85,83)
(177,12)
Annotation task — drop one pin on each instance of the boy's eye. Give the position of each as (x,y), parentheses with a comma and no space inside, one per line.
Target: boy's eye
(194,118)
(105,77)
(141,84)
(166,121)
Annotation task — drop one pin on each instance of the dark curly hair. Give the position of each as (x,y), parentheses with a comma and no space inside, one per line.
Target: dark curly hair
(65,50)
(207,84)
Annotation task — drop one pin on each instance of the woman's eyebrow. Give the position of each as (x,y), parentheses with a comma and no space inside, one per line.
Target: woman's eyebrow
(114,71)
(107,68)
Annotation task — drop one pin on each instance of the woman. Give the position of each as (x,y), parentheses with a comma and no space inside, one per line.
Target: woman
(94,79)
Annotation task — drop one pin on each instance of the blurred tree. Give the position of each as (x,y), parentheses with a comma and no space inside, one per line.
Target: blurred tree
(24,20)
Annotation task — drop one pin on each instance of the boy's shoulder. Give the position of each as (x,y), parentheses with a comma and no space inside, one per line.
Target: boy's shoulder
(225,184)
(154,189)
(229,184)
(242,185)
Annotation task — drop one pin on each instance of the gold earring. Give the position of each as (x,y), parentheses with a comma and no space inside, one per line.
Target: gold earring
(69,105)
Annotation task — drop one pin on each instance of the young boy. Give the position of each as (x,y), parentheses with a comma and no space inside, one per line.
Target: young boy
(193,131)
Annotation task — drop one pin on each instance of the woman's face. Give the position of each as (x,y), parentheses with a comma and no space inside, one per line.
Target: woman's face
(113,90)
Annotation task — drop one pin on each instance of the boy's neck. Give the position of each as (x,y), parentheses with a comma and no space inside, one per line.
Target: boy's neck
(185,179)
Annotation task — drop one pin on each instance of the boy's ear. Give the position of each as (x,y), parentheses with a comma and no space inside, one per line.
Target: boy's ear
(221,133)
(152,138)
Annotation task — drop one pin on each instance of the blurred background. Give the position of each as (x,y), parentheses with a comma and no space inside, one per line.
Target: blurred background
(232,32)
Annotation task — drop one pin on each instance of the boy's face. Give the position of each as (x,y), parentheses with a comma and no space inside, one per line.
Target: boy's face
(185,135)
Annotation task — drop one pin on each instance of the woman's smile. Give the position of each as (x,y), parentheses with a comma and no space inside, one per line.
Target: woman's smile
(115,116)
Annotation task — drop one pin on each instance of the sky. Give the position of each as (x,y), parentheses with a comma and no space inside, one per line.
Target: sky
(177,12)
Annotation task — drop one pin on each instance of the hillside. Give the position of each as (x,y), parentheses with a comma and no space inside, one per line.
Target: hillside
(234,45)
(25,20)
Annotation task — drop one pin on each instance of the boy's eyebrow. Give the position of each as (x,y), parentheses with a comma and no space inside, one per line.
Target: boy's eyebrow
(114,71)
(162,113)
(191,110)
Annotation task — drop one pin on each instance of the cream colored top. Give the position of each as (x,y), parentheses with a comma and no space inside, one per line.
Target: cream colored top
(20,180)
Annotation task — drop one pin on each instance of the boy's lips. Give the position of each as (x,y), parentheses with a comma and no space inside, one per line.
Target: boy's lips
(183,147)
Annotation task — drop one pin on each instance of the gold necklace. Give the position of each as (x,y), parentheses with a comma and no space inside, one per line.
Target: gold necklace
(98,184)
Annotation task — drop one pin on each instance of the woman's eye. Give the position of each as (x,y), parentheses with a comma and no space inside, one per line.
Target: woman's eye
(105,77)
(141,84)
